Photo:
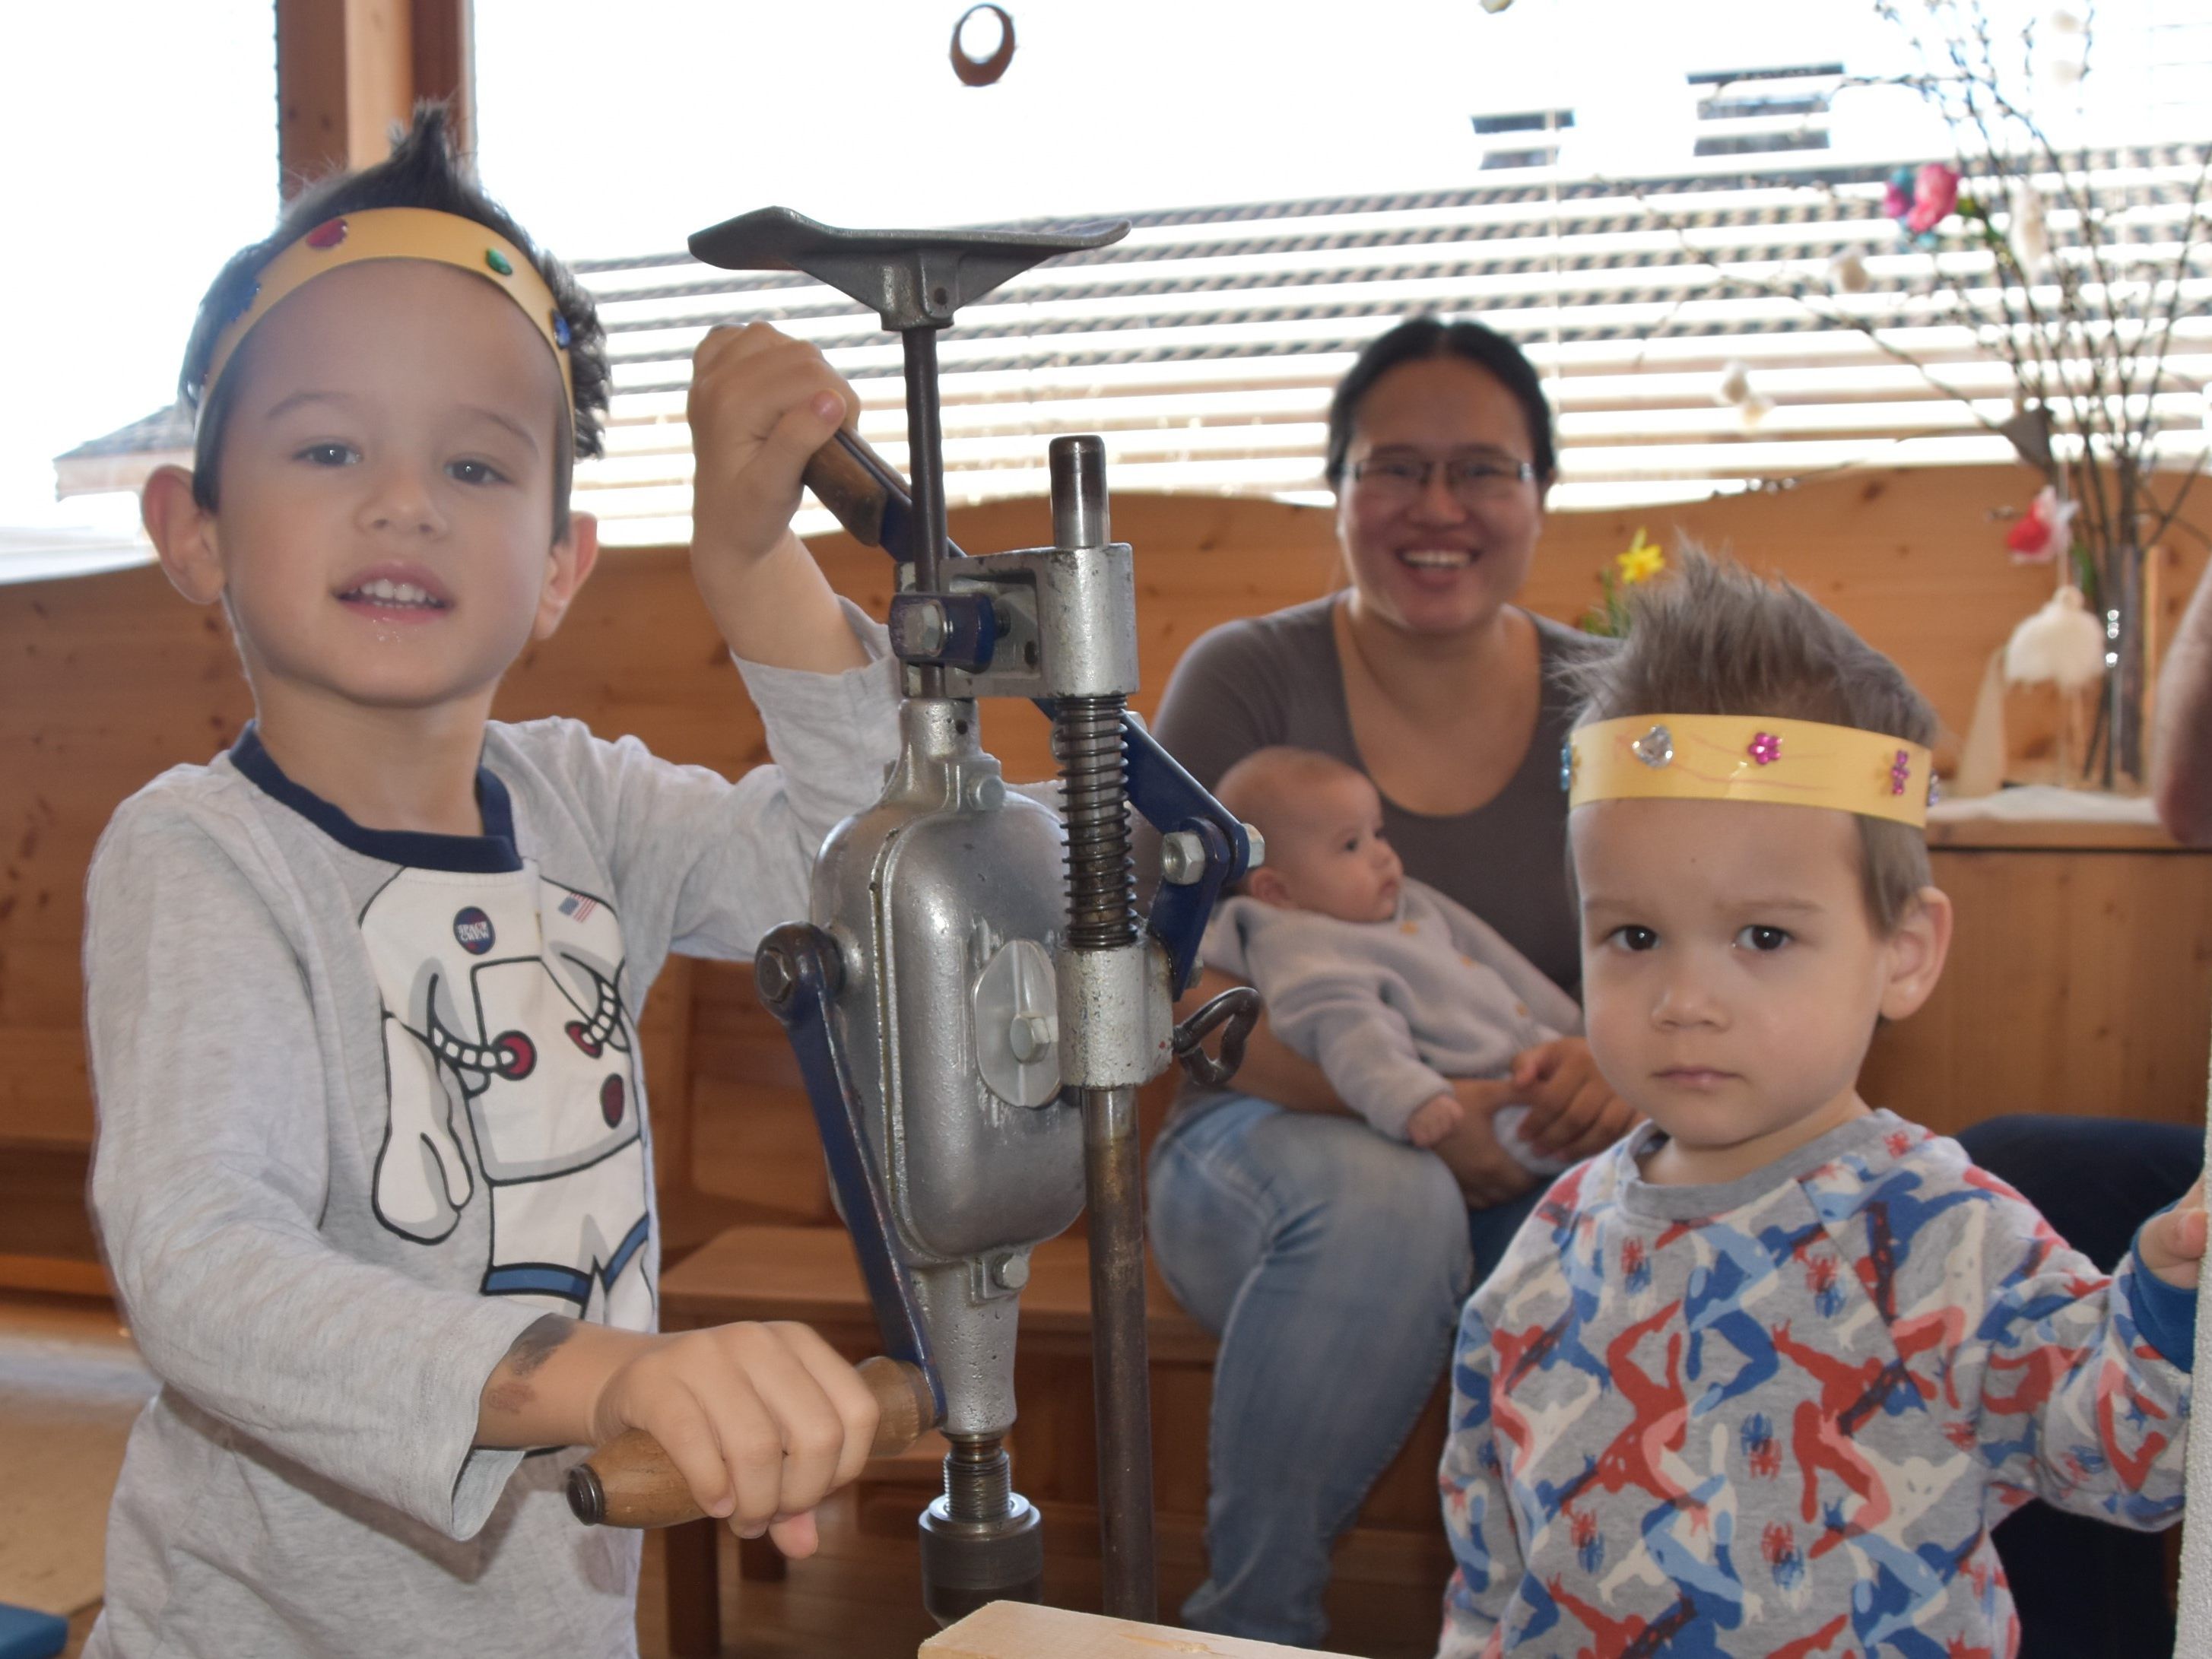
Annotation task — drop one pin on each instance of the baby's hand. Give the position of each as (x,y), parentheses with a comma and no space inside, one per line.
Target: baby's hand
(1573,1111)
(760,404)
(1432,1119)
(2173,1240)
(762,1421)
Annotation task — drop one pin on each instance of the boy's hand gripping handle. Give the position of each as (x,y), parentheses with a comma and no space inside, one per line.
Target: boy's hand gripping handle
(631,1482)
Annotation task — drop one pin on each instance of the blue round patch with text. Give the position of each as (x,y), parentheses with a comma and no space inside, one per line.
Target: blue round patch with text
(472,928)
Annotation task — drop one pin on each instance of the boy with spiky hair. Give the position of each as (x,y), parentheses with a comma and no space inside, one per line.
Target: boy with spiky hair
(374,1173)
(1759,1379)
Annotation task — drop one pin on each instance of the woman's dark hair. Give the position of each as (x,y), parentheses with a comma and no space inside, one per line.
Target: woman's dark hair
(421,172)
(1418,339)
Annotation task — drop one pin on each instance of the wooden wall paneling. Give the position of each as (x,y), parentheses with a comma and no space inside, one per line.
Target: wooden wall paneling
(752,1131)
(44,1215)
(2078,982)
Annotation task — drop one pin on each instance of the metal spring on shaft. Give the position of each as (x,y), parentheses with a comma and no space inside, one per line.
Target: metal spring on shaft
(979,1480)
(1102,879)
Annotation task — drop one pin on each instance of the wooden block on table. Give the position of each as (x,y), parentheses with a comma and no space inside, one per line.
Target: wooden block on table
(1019,1630)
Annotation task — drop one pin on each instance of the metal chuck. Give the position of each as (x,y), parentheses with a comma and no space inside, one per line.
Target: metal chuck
(983,1541)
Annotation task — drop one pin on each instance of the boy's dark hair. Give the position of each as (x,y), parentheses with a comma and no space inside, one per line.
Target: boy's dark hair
(1418,339)
(1714,639)
(421,172)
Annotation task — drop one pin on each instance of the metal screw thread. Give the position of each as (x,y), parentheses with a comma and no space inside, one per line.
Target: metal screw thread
(979,1480)
(1101,878)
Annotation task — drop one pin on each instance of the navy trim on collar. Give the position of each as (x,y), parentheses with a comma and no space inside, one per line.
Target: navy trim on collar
(491,853)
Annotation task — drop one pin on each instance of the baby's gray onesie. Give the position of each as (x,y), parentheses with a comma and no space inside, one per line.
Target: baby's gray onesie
(1391,1011)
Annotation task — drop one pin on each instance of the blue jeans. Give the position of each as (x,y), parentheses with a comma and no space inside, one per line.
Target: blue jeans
(1332,1263)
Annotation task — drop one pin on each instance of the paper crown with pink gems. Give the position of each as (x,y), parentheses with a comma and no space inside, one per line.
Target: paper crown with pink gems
(1749,757)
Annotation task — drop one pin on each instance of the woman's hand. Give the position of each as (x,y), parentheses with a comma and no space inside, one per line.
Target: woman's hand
(1485,1171)
(1573,1111)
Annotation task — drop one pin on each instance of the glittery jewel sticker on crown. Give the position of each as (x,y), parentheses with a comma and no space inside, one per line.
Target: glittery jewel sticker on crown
(1656,748)
(1765,748)
(327,234)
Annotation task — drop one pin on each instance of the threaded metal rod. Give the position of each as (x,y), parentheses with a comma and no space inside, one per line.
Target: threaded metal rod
(979,1479)
(1102,880)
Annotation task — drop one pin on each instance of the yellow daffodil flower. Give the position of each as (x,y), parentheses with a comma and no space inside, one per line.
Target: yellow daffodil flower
(1641,562)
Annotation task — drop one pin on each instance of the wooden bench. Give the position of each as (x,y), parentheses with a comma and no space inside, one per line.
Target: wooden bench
(809,1274)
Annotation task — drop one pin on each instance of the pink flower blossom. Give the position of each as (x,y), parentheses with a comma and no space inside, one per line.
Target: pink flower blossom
(1935,194)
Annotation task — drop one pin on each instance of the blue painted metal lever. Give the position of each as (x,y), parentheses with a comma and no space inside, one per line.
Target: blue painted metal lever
(799,972)
(870,500)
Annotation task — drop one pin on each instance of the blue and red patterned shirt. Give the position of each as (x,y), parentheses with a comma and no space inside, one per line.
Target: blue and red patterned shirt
(1778,1418)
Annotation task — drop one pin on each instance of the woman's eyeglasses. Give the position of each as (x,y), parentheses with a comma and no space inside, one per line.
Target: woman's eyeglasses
(1471,478)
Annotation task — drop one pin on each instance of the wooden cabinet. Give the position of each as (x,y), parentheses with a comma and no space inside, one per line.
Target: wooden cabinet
(2080,980)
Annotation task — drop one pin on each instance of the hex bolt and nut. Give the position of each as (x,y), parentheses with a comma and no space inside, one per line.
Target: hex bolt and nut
(1030,1035)
(988,794)
(1182,858)
(1010,1272)
(773,974)
(922,629)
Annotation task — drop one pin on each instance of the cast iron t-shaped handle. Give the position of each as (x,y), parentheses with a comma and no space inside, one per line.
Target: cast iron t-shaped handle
(911,278)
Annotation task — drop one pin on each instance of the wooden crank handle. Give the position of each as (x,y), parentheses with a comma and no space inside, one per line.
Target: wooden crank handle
(630,1481)
(842,484)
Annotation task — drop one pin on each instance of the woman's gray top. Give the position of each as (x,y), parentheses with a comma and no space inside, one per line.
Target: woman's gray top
(1278,679)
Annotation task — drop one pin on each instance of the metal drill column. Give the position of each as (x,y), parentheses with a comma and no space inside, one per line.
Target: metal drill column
(925,468)
(1102,917)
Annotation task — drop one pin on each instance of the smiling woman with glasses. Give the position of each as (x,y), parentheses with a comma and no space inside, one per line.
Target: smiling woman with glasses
(1330,1261)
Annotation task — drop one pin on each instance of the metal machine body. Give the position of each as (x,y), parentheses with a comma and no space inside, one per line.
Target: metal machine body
(977,999)
(928,894)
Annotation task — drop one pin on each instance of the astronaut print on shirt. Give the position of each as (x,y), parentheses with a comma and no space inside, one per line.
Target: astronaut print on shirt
(504,1023)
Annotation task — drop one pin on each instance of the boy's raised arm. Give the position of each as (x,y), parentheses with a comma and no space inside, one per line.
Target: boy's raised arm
(760,404)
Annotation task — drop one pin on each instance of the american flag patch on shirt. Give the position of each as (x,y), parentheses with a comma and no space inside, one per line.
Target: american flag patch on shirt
(578,907)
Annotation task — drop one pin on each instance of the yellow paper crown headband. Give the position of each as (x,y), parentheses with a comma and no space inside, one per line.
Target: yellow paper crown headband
(446,238)
(1749,757)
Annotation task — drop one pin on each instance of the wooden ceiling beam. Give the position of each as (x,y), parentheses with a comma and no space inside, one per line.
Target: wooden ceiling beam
(347,70)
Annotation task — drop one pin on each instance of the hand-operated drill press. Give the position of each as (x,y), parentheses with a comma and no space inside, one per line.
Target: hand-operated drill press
(973,1040)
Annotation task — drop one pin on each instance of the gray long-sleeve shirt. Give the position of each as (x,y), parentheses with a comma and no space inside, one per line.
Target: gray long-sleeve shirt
(370,1104)
(1392,1011)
